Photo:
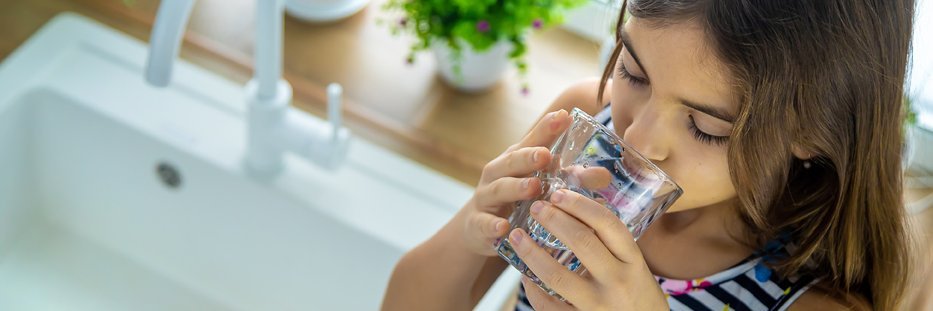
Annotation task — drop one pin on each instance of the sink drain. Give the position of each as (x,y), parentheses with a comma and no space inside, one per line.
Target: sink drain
(169,175)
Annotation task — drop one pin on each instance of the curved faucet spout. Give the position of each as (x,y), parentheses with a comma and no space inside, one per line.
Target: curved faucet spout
(270,16)
(165,40)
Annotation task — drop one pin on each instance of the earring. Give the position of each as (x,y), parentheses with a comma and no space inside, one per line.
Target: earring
(806,163)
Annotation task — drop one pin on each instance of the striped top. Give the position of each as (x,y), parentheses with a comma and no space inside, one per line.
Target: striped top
(748,285)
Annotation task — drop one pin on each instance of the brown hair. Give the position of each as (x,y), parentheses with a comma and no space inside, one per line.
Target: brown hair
(827,76)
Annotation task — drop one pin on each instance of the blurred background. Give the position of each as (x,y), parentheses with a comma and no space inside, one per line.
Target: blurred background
(402,103)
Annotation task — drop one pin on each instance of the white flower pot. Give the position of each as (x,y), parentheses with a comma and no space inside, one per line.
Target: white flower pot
(323,10)
(478,70)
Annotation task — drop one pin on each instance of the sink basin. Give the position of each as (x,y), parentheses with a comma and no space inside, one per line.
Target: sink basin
(115,195)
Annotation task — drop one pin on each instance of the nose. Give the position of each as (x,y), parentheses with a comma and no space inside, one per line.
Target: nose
(648,134)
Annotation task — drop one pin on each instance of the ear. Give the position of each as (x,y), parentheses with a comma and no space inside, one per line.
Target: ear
(801,153)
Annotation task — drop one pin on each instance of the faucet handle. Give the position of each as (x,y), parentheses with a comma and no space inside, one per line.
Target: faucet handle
(334,107)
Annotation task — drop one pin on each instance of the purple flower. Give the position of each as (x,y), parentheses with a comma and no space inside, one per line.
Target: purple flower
(525,91)
(537,24)
(482,26)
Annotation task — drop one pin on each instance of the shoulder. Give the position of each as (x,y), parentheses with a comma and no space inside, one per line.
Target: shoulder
(583,95)
(817,299)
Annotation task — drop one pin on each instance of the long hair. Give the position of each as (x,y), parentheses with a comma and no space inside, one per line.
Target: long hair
(828,76)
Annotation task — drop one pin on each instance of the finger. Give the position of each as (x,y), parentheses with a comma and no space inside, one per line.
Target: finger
(547,129)
(521,162)
(492,196)
(591,251)
(568,284)
(489,225)
(609,228)
(540,300)
(591,178)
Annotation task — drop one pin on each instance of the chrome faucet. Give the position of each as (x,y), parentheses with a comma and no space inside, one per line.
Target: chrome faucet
(273,126)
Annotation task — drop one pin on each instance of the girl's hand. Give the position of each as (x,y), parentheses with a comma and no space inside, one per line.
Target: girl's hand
(618,278)
(505,180)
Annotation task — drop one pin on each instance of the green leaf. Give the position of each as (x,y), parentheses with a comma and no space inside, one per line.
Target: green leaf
(453,20)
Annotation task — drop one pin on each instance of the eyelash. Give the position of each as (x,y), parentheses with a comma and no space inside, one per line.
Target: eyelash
(697,133)
(706,138)
(633,80)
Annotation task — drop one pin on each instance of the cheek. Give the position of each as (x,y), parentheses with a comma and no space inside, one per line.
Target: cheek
(703,173)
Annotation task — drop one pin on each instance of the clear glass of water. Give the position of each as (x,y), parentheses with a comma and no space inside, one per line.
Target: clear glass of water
(590,159)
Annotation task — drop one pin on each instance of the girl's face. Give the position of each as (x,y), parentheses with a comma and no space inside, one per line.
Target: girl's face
(672,101)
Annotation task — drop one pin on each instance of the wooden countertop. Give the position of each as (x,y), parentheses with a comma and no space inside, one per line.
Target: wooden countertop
(405,108)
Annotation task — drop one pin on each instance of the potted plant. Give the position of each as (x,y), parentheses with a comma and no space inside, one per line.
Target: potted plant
(474,40)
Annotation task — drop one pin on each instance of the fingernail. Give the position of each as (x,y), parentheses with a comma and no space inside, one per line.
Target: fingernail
(500,225)
(557,196)
(537,207)
(525,183)
(534,157)
(516,238)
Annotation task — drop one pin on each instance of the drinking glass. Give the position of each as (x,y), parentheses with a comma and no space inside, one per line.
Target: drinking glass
(590,159)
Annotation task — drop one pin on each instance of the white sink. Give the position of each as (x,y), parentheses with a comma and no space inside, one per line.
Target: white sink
(86,222)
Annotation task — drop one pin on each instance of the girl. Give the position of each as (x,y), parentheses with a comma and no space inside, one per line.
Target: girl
(781,121)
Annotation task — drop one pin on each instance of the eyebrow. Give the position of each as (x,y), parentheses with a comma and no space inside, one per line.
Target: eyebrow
(627,44)
(715,112)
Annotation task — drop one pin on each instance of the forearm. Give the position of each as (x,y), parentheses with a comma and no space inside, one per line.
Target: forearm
(488,275)
(438,274)
(445,272)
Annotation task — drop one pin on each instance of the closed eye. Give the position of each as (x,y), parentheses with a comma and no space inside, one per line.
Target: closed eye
(635,81)
(704,137)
